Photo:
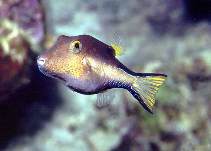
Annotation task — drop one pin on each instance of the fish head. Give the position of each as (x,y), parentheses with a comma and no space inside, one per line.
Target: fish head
(65,58)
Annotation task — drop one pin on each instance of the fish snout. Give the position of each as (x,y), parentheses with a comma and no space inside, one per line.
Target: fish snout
(41,61)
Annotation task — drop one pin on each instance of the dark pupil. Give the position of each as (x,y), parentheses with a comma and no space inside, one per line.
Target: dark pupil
(77,45)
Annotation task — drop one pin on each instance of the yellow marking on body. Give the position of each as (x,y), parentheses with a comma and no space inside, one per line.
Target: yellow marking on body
(71,65)
(75,67)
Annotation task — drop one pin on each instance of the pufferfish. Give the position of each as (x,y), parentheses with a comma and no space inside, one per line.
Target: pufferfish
(88,66)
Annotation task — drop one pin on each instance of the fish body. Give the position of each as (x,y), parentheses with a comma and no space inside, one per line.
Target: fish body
(89,66)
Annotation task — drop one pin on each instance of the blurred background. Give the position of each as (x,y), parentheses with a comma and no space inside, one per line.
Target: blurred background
(172,37)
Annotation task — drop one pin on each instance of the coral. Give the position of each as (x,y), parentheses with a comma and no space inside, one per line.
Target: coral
(28,14)
(14,58)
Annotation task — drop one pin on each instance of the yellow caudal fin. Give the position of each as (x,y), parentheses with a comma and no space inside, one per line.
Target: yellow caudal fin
(144,89)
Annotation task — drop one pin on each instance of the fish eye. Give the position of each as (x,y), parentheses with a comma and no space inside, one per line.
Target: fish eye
(75,46)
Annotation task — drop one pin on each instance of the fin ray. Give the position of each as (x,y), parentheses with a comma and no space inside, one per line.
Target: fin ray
(146,88)
(117,49)
(104,99)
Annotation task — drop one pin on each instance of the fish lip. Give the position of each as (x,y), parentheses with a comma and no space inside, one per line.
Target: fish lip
(40,64)
(41,61)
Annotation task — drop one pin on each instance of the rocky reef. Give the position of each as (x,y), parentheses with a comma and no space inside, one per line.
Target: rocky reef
(14,58)
(21,29)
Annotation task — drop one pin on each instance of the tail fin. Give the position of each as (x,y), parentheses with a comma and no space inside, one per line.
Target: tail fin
(145,87)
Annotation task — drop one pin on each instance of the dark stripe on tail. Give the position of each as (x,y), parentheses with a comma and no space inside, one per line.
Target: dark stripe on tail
(137,96)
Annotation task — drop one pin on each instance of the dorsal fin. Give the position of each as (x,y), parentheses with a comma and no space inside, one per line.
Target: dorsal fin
(117,49)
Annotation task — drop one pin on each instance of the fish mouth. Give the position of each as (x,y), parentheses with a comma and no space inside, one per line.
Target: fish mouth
(41,61)
(41,66)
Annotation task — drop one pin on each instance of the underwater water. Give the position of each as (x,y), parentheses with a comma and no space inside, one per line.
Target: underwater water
(38,113)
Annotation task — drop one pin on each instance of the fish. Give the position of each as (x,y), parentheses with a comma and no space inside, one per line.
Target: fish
(89,66)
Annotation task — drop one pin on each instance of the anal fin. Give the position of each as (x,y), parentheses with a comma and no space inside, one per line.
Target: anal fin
(104,99)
